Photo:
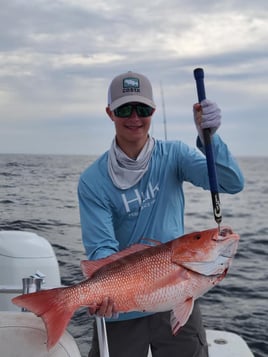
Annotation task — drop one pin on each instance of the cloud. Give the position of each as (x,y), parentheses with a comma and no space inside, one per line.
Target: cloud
(58,57)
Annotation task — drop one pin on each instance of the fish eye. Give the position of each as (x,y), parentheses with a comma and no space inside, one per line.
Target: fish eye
(197,237)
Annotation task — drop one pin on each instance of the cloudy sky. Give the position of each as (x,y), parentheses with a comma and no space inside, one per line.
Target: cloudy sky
(57,58)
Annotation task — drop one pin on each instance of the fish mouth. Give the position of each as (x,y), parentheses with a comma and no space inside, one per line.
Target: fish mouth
(231,239)
(229,250)
(225,231)
(223,234)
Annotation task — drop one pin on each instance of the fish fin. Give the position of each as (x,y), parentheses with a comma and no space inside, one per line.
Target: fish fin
(149,242)
(89,267)
(180,315)
(218,266)
(51,306)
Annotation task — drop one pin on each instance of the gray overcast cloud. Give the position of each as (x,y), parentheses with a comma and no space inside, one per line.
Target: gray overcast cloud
(57,59)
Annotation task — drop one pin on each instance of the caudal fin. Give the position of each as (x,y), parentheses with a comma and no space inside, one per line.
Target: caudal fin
(52,306)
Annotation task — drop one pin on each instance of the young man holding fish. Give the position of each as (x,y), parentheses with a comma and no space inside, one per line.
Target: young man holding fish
(134,191)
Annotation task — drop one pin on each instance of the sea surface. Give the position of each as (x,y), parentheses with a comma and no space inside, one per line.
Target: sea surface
(38,193)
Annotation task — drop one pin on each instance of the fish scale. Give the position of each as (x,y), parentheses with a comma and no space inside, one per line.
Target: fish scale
(165,277)
(133,278)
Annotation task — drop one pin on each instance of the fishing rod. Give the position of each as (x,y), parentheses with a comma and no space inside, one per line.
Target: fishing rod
(164,110)
(102,337)
(212,174)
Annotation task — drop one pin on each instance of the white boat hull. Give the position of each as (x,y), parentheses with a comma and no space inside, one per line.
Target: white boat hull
(226,344)
(23,334)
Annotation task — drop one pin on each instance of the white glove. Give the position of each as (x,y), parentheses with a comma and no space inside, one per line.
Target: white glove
(208,116)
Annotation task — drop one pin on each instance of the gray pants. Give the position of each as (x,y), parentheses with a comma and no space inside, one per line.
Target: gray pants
(132,338)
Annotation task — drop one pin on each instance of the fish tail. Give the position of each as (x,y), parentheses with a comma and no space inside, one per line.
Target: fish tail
(52,306)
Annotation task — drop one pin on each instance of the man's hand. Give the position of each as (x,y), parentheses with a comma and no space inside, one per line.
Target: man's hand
(106,309)
(206,115)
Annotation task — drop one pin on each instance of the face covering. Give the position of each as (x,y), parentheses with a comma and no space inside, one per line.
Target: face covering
(124,171)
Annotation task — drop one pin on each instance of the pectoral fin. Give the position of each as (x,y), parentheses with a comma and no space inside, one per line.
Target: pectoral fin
(180,315)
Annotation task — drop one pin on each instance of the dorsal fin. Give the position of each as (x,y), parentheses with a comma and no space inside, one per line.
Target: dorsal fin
(89,267)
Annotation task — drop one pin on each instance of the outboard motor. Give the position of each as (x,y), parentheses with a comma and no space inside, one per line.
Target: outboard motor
(23,254)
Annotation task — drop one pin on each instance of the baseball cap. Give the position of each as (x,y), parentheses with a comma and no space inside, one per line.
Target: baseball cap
(130,87)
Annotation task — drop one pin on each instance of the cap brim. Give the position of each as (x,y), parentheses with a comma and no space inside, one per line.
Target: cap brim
(131,98)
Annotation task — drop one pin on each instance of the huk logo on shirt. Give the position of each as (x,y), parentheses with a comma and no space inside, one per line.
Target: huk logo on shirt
(135,200)
(131,84)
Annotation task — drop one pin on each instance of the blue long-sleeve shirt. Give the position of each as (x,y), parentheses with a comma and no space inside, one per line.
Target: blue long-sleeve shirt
(113,219)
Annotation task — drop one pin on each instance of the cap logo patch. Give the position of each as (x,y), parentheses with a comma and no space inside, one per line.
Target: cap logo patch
(131,84)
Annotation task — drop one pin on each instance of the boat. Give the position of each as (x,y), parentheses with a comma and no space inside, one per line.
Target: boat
(26,261)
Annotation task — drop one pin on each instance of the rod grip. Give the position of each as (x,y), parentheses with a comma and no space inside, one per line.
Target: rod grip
(200,86)
(212,174)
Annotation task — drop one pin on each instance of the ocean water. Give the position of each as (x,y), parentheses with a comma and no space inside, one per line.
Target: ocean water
(38,194)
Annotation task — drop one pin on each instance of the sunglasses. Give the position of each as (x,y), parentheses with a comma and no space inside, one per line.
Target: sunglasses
(126,110)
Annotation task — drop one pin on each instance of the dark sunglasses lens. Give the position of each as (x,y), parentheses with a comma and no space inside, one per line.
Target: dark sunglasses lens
(124,111)
(144,110)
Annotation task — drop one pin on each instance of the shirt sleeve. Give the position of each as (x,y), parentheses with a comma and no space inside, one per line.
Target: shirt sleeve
(229,175)
(96,223)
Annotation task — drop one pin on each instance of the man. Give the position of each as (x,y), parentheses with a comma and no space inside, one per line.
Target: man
(134,190)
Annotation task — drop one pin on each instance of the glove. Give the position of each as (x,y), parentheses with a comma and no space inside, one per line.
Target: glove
(207,115)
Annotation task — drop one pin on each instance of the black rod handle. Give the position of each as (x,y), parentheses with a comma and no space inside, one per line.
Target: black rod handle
(212,174)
